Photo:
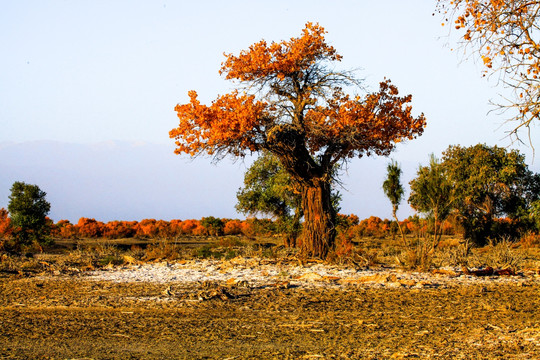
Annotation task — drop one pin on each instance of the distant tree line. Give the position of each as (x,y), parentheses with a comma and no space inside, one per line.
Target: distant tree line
(480,192)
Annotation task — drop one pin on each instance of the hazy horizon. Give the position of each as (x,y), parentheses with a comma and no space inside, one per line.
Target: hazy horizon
(123,180)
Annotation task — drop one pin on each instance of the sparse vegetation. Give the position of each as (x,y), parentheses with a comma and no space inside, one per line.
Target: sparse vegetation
(366,243)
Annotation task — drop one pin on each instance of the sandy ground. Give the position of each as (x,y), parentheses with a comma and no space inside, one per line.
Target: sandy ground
(263,309)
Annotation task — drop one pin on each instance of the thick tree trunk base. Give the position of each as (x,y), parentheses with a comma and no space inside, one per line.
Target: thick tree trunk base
(319,233)
(290,241)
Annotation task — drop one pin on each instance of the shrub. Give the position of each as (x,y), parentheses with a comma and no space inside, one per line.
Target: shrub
(188,226)
(162,250)
(214,226)
(90,228)
(119,229)
(233,227)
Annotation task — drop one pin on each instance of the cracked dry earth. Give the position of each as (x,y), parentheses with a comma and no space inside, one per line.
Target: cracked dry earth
(297,313)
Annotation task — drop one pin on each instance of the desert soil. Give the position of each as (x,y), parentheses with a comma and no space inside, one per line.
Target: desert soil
(377,316)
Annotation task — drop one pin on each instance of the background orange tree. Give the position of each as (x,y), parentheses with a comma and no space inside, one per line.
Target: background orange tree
(292,103)
(505,36)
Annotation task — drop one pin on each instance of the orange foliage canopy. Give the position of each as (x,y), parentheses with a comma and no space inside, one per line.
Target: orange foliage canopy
(281,60)
(5,225)
(90,227)
(373,123)
(294,90)
(230,124)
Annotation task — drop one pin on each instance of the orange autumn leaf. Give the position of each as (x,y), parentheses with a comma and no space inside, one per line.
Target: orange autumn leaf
(504,35)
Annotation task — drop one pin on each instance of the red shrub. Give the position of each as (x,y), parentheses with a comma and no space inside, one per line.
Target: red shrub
(90,228)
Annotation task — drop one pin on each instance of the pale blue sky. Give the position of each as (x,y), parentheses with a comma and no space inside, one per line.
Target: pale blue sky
(91,71)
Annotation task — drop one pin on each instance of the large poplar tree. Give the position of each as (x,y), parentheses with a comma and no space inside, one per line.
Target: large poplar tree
(292,103)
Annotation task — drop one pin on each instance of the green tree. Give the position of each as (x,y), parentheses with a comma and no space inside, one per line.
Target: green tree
(534,215)
(432,194)
(268,190)
(28,211)
(394,190)
(213,225)
(489,182)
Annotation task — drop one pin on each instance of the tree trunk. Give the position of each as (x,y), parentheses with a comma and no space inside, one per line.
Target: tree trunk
(295,227)
(394,213)
(319,231)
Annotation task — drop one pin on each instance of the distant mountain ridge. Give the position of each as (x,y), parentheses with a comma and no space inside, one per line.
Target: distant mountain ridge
(130,180)
(119,180)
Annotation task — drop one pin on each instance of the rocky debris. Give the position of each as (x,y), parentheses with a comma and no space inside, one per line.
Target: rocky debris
(310,276)
(285,273)
(489,271)
(167,291)
(219,293)
(208,290)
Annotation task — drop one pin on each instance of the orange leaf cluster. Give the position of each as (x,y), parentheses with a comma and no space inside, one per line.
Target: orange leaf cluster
(160,229)
(64,229)
(5,224)
(231,124)
(119,229)
(152,228)
(233,227)
(488,22)
(147,228)
(505,34)
(374,123)
(280,60)
(377,227)
(90,228)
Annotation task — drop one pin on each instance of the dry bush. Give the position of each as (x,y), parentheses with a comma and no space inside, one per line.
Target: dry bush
(452,253)
(530,240)
(8,264)
(504,254)
(497,255)
(230,241)
(417,255)
(137,252)
(162,250)
(267,249)
(31,265)
(366,258)
(343,249)
(81,257)
(89,255)
(450,242)
(362,252)
(20,264)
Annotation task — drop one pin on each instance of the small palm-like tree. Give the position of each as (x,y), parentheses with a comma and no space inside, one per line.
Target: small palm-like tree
(433,194)
(394,190)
